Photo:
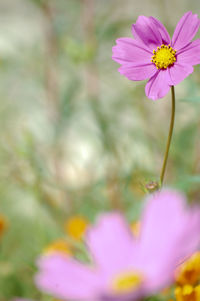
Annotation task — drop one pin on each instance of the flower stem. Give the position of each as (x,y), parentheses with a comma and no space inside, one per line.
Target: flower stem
(169,137)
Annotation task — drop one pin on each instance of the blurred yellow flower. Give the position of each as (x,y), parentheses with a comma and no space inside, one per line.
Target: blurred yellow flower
(135,228)
(187,278)
(189,271)
(187,293)
(59,245)
(76,227)
(3,224)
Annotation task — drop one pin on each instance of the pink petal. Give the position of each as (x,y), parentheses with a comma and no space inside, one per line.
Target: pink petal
(164,34)
(179,72)
(185,30)
(128,50)
(66,279)
(111,244)
(169,231)
(146,31)
(133,296)
(161,221)
(190,54)
(158,85)
(138,71)
(191,238)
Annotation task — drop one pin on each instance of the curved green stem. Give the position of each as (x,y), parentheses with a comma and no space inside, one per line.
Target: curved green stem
(169,137)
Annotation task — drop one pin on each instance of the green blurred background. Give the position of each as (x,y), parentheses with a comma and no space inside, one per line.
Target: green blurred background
(75,136)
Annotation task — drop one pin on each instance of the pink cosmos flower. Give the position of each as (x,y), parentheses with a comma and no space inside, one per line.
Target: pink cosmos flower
(126,267)
(152,54)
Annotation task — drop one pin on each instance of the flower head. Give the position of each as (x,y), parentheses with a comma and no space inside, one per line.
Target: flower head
(76,227)
(187,279)
(187,293)
(59,245)
(153,55)
(189,271)
(135,228)
(3,224)
(125,267)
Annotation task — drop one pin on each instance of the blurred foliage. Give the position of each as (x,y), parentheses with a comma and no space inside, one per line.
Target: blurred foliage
(76,137)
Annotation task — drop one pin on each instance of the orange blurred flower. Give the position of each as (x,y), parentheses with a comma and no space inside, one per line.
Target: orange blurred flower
(135,228)
(187,293)
(187,279)
(3,224)
(189,271)
(76,227)
(59,245)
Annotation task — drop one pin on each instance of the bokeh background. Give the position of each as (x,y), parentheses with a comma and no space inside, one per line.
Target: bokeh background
(77,138)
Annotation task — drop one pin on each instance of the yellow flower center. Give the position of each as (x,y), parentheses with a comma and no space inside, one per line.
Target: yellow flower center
(164,56)
(126,282)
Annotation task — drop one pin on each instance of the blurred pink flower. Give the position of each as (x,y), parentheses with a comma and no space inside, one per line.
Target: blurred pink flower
(152,54)
(126,267)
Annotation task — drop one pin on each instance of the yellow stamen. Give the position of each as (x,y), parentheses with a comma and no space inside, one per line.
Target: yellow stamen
(164,56)
(126,282)
(76,227)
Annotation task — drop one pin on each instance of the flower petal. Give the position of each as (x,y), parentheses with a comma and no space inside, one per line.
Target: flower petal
(158,85)
(164,33)
(190,243)
(146,31)
(169,233)
(138,72)
(185,30)
(190,54)
(179,72)
(135,295)
(66,279)
(111,244)
(162,218)
(128,50)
